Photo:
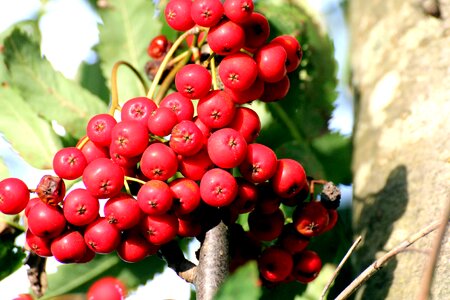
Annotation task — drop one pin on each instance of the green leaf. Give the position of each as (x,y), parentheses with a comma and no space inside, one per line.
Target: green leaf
(49,94)
(76,278)
(242,285)
(11,256)
(304,113)
(128,27)
(335,153)
(28,134)
(90,77)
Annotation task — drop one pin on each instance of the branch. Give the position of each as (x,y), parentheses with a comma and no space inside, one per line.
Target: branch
(172,253)
(427,277)
(213,264)
(36,273)
(339,267)
(379,263)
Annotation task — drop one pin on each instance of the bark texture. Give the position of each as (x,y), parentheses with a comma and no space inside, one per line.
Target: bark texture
(401,75)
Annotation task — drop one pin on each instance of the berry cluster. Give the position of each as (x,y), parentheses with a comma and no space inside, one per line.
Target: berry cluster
(176,167)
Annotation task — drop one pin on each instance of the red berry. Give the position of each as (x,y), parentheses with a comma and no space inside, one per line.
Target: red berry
(158,47)
(46,221)
(206,13)
(159,229)
(178,14)
(238,11)
(161,121)
(80,207)
(69,163)
(193,81)
(189,227)
(238,71)
(293,50)
(101,236)
(271,62)
(14,196)
(311,219)
(137,109)
(129,138)
(275,264)
(266,227)
(257,31)
(216,110)
(227,148)
(159,162)
(218,188)
(186,195)
(107,288)
(31,203)
(291,240)
(103,178)
(122,160)
(155,197)
(246,198)
(226,37)
(254,92)
(307,265)
(180,105)
(289,178)
(186,138)
(68,247)
(194,166)
(93,151)
(333,218)
(134,247)
(39,245)
(99,129)
(247,122)
(123,211)
(275,91)
(259,164)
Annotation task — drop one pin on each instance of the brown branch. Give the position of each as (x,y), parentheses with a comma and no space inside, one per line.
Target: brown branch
(339,267)
(379,263)
(36,273)
(175,259)
(213,264)
(427,277)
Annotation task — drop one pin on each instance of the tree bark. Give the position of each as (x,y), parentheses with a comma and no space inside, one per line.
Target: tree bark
(401,77)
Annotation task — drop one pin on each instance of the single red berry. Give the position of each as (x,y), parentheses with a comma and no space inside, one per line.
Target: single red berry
(238,71)
(186,195)
(39,245)
(101,236)
(130,138)
(311,219)
(123,211)
(206,13)
(307,265)
(161,121)
(46,221)
(178,14)
(137,109)
(189,227)
(238,11)
(268,202)
(68,247)
(159,162)
(99,129)
(254,92)
(293,50)
(218,188)
(246,198)
(69,163)
(333,218)
(271,62)
(103,178)
(193,81)
(155,197)
(266,227)
(180,105)
(88,256)
(227,148)
(275,264)
(194,166)
(259,164)
(226,37)
(289,178)
(159,229)
(93,151)
(275,91)
(216,110)
(107,288)
(158,47)
(122,160)
(257,31)
(134,247)
(186,138)
(291,240)
(80,207)
(14,196)
(31,203)
(299,198)
(247,122)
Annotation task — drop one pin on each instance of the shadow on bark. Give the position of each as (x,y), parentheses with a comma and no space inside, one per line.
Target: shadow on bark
(376,224)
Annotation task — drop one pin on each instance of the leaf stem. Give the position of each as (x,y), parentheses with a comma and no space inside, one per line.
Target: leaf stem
(83,142)
(127,178)
(114,91)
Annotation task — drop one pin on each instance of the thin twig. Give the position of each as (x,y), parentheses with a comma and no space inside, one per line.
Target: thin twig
(379,263)
(339,267)
(172,253)
(427,278)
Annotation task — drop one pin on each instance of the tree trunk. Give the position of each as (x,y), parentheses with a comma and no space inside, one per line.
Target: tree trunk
(401,75)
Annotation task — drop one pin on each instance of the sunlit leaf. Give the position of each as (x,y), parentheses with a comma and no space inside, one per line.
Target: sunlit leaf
(128,27)
(242,285)
(30,135)
(48,93)
(91,78)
